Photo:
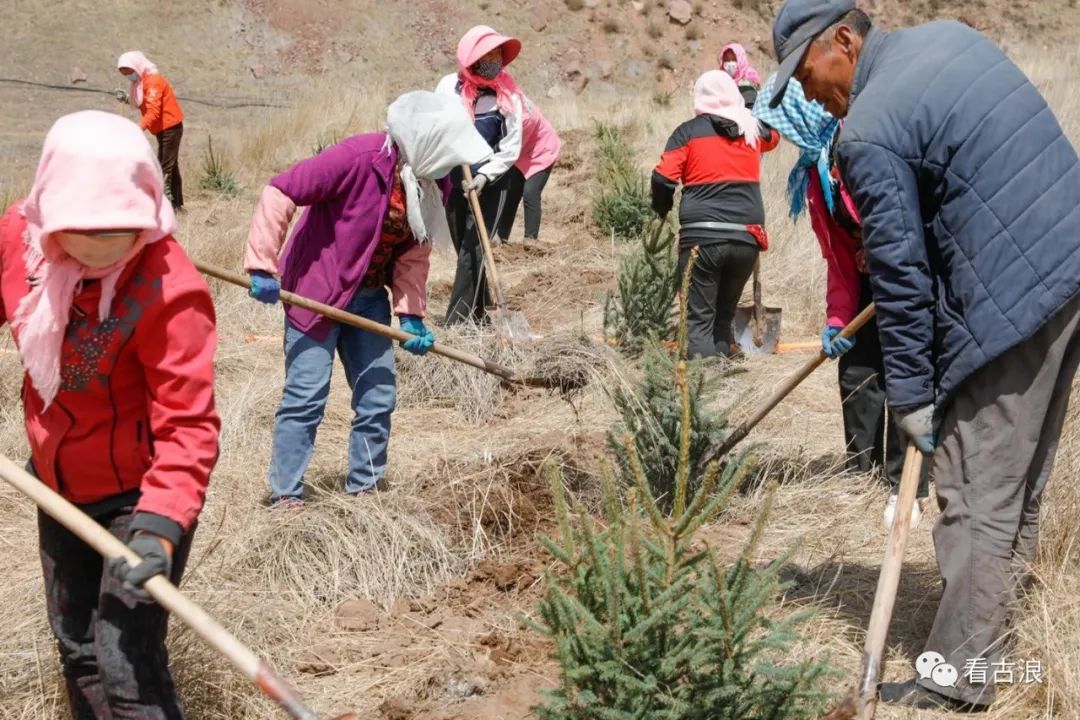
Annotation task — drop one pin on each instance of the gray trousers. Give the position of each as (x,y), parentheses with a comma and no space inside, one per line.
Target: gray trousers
(997,444)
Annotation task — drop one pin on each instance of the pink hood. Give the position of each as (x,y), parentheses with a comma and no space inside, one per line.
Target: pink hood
(745,71)
(142,67)
(97,172)
(715,93)
(475,44)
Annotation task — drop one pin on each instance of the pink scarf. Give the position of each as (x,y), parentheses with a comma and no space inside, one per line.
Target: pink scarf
(475,44)
(745,71)
(715,93)
(142,67)
(97,172)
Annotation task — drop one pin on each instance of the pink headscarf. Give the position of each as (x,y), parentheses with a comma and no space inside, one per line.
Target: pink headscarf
(97,172)
(715,93)
(142,67)
(745,70)
(475,44)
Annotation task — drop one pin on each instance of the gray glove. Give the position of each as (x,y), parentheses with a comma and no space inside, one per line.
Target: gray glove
(918,425)
(120,95)
(156,560)
(479,182)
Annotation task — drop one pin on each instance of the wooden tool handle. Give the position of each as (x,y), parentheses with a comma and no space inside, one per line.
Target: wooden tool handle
(164,592)
(485,240)
(363,323)
(743,429)
(888,582)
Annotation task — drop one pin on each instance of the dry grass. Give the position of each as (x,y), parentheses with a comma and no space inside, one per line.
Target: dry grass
(467,454)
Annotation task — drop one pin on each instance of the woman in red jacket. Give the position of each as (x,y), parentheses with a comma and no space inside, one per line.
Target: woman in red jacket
(153,96)
(115,329)
(873,441)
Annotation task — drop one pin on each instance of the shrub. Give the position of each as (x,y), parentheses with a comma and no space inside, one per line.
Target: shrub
(215,176)
(646,620)
(623,204)
(652,415)
(662,98)
(647,286)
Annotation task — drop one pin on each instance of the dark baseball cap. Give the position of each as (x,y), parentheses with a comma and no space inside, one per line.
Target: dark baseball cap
(797,24)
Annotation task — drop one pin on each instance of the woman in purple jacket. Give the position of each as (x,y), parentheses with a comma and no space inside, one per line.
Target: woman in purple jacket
(373,208)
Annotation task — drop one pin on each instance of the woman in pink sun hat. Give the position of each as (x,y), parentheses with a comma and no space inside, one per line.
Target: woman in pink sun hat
(499,110)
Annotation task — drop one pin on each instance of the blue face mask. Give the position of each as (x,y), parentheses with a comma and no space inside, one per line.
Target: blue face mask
(488,69)
(132,77)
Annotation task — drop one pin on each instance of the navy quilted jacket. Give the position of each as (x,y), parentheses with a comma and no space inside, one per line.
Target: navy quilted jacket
(970,200)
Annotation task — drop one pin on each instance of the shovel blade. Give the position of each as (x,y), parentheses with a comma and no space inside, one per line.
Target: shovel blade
(513,326)
(743,329)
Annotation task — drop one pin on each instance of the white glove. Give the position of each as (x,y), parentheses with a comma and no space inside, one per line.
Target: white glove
(479,182)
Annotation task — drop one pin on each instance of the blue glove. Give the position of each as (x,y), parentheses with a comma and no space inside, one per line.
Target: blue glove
(424,337)
(833,345)
(264,287)
(919,427)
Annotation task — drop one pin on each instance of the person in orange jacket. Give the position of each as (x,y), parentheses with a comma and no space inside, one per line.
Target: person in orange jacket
(153,96)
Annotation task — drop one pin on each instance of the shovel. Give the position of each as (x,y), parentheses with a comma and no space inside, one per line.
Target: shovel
(861,704)
(164,592)
(363,323)
(743,429)
(511,324)
(756,328)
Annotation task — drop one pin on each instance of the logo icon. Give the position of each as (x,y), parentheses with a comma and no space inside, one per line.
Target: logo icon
(932,666)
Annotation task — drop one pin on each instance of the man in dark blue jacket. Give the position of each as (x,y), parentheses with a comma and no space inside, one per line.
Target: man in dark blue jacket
(970,200)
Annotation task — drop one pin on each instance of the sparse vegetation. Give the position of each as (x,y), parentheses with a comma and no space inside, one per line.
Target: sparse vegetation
(655,30)
(575,5)
(694,32)
(663,98)
(215,176)
(447,553)
(611,26)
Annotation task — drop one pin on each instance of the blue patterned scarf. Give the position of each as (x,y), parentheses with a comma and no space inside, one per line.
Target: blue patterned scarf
(809,126)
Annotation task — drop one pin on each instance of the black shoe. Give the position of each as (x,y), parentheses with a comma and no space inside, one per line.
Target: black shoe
(912,694)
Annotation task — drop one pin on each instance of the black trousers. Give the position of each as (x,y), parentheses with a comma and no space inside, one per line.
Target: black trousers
(470,297)
(530,190)
(716,284)
(112,646)
(169,157)
(871,442)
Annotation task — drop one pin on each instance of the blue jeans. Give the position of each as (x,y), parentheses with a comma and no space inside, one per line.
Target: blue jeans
(369,367)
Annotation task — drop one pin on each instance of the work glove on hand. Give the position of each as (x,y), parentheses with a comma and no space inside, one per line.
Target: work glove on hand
(423,339)
(834,345)
(918,425)
(264,287)
(479,182)
(156,554)
(120,95)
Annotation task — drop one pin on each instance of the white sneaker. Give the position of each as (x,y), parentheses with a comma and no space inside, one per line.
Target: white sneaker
(890,513)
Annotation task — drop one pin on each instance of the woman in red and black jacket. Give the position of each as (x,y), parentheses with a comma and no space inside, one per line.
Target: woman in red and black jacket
(115,329)
(717,158)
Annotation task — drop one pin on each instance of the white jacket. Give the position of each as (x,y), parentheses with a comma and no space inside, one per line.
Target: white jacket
(510,145)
